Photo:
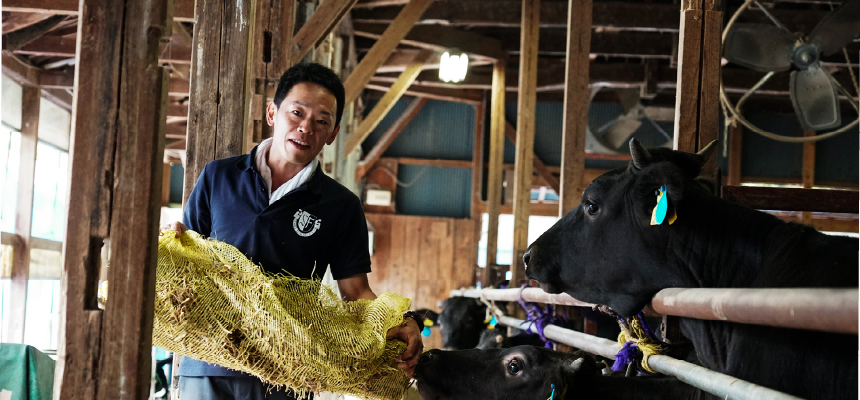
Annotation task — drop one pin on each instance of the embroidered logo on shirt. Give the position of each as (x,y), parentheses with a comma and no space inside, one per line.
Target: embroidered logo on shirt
(305,224)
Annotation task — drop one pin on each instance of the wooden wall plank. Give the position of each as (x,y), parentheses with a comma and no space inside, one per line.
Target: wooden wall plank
(30,101)
(793,199)
(322,21)
(386,103)
(687,92)
(576,93)
(380,51)
(525,134)
(411,257)
(388,137)
(494,169)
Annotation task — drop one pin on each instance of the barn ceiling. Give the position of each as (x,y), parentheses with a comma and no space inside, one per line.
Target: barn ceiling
(634,44)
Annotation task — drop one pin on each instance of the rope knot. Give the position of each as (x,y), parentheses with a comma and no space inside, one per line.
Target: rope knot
(636,342)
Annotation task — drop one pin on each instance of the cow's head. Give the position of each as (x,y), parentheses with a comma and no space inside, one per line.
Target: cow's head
(461,322)
(522,372)
(606,250)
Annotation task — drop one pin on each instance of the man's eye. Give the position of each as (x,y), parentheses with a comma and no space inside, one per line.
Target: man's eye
(297,112)
(514,367)
(323,122)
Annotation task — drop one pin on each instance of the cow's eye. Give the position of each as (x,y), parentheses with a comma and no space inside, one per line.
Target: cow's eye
(591,208)
(514,367)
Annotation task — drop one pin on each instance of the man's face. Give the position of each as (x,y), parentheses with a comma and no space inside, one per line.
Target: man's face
(303,123)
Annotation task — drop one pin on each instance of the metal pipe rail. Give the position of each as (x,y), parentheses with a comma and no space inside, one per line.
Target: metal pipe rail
(829,310)
(722,385)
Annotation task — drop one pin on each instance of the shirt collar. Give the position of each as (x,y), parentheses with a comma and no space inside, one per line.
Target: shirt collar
(315,184)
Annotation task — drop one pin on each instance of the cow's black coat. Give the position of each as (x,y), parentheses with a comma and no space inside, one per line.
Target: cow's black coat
(528,373)
(461,322)
(605,251)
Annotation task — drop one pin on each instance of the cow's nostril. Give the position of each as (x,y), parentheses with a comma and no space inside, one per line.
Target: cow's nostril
(526,258)
(425,357)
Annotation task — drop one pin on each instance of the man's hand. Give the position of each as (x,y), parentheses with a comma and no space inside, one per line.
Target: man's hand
(411,334)
(175,226)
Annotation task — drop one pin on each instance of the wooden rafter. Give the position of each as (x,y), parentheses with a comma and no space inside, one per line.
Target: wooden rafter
(322,21)
(380,51)
(183,9)
(440,39)
(22,20)
(19,38)
(385,104)
(468,96)
(388,137)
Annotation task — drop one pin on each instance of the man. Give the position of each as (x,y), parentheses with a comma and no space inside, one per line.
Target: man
(279,208)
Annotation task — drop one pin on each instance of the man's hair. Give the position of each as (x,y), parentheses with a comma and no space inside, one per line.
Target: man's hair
(314,73)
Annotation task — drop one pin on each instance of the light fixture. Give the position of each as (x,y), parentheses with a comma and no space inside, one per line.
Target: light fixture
(453,68)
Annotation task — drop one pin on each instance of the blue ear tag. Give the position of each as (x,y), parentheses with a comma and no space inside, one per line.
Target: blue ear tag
(659,213)
(552,395)
(493,322)
(425,332)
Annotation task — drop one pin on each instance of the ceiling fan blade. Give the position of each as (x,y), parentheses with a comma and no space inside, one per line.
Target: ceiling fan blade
(629,98)
(760,47)
(815,99)
(838,28)
(620,132)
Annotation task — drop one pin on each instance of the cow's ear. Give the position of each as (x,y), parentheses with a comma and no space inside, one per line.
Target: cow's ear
(579,365)
(660,190)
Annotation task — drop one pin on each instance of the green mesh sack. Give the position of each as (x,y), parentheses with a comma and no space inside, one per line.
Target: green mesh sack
(215,305)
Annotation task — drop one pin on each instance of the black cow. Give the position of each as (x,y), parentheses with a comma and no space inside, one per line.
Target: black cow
(461,322)
(606,252)
(533,373)
(498,338)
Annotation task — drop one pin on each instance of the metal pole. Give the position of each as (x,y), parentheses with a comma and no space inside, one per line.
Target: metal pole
(722,385)
(529,294)
(829,310)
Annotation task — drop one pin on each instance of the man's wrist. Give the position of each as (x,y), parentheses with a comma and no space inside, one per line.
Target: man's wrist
(414,316)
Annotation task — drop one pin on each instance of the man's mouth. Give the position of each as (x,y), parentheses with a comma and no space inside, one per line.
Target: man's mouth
(299,144)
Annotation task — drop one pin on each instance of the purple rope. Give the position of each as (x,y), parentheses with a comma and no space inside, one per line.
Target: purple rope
(539,319)
(629,353)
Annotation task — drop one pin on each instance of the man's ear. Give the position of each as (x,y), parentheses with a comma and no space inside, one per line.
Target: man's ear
(333,135)
(271,110)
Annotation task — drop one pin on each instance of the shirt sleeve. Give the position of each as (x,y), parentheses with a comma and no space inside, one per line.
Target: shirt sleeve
(197,215)
(350,252)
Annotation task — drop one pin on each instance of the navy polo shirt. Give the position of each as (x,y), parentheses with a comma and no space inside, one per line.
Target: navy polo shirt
(318,224)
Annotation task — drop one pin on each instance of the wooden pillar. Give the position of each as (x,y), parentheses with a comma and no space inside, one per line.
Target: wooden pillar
(222,84)
(576,94)
(30,100)
(736,135)
(525,135)
(494,169)
(808,173)
(709,92)
(117,159)
(478,162)
(165,185)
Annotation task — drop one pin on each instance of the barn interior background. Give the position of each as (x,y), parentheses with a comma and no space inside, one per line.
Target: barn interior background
(419,151)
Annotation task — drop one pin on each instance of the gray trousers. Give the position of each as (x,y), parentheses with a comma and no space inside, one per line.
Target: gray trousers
(229,388)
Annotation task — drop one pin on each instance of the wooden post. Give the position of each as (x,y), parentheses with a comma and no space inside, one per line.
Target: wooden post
(494,169)
(575,104)
(477,162)
(525,135)
(709,95)
(117,161)
(281,23)
(30,100)
(380,51)
(808,173)
(222,84)
(687,90)
(736,134)
(165,185)
(386,102)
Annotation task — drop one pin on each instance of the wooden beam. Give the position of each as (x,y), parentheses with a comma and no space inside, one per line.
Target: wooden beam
(183,9)
(388,137)
(17,39)
(494,170)
(59,97)
(441,39)
(477,162)
(537,163)
(322,21)
(687,92)
(385,104)
(709,95)
(60,46)
(467,96)
(221,84)
(735,145)
(525,135)
(28,75)
(23,214)
(18,20)
(576,94)
(117,131)
(793,199)
(432,162)
(387,42)
(808,172)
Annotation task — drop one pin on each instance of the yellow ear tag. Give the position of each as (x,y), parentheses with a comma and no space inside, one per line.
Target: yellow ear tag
(428,323)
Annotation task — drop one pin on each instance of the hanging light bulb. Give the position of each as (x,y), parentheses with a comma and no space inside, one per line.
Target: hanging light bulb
(453,68)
